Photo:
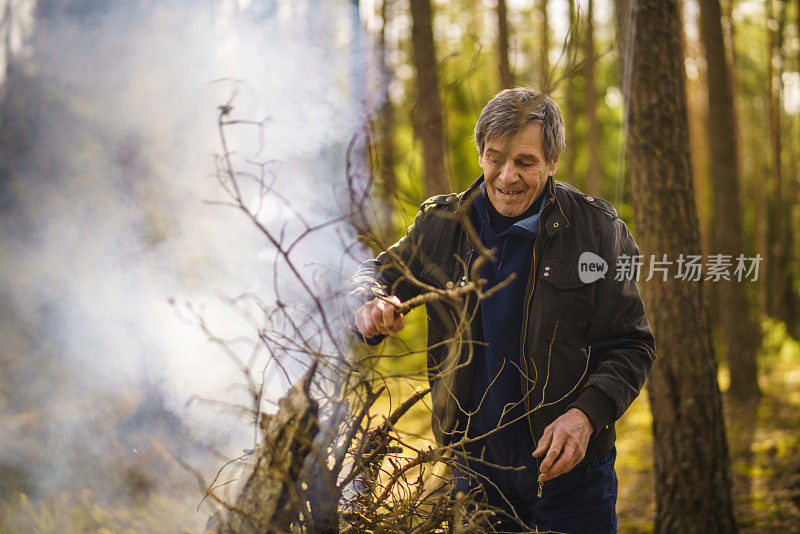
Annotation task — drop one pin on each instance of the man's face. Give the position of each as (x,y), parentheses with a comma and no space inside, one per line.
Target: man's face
(515,169)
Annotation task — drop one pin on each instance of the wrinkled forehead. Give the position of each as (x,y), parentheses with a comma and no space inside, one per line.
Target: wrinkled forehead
(529,134)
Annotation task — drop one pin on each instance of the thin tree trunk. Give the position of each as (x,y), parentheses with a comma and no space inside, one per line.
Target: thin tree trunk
(593,175)
(794,213)
(690,448)
(728,37)
(428,119)
(787,231)
(568,161)
(774,178)
(776,269)
(782,202)
(759,187)
(622,18)
(697,105)
(751,181)
(739,323)
(506,76)
(386,136)
(544,45)
(699,150)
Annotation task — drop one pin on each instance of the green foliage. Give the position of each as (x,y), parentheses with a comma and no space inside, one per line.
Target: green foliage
(469,77)
(777,346)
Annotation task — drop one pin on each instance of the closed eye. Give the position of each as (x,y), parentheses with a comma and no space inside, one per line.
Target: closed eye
(495,156)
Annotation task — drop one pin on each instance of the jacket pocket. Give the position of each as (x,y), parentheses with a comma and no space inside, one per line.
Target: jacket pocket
(563,353)
(568,300)
(563,364)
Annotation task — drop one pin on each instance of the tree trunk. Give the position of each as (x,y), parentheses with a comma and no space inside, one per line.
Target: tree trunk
(428,118)
(386,137)
(794,215)
(506,76)
(752,180)
(774,179)
(544,46)
(622,17)
(776,253)
(787,208)
(697,106)
(571,118)
(737,317)
(758,189)
(690,448)
(593,175)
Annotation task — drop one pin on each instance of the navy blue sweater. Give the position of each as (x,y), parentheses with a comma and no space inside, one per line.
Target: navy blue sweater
(496,374)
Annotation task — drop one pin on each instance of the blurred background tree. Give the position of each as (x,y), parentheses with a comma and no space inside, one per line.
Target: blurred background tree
(742,80)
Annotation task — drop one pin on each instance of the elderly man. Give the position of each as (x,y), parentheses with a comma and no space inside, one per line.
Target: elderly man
(554,356)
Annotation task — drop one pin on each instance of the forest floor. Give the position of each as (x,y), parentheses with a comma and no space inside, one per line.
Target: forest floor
(764,444)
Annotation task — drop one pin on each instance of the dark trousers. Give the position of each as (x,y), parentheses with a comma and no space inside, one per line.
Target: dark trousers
(580,501)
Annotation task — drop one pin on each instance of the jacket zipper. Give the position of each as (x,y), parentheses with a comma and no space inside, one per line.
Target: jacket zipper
(468,266)
(523,334)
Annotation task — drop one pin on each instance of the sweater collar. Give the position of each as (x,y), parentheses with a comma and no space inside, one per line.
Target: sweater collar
(527,227)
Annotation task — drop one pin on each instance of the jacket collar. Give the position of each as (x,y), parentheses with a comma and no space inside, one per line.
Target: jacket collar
(555,220)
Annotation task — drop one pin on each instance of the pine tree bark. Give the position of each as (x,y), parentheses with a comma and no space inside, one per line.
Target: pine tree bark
(506,76)
(428,117)
(690,447)
(593,174)
(737,317)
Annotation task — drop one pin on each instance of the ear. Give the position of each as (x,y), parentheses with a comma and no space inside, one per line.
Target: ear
(552,169)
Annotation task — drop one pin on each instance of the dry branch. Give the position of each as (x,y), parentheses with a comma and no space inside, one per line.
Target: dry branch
(297,476)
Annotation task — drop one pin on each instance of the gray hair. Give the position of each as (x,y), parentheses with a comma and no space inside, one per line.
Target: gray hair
(511,110)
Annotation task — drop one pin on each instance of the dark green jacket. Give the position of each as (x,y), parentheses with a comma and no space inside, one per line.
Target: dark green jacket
(584,345)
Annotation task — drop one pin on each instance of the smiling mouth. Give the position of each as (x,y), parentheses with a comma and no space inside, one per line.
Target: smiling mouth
(509,192)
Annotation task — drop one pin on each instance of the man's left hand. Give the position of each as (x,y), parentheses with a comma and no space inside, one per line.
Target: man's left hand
(564,441)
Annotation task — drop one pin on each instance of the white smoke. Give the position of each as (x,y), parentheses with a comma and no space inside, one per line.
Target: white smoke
(108,244)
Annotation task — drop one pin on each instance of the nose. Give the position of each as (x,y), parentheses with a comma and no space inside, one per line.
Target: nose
(508,172)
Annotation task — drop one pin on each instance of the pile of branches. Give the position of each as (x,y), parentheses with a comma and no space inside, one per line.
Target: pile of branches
(324,461)
(388,486)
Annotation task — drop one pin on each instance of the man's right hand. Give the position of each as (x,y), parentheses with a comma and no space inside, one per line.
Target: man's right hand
(379,317)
